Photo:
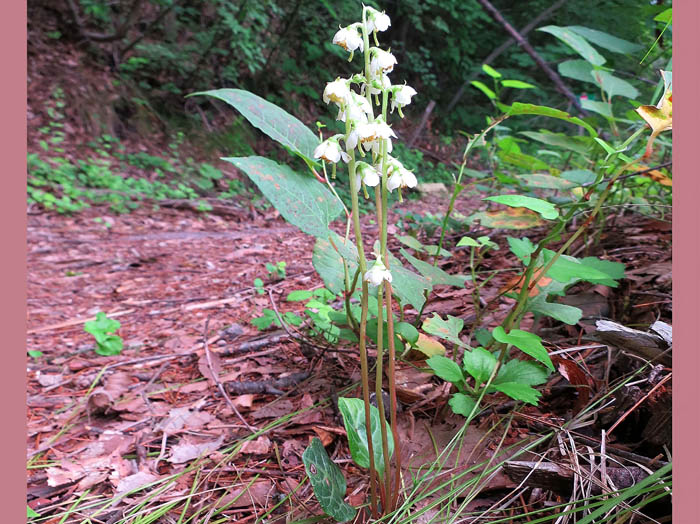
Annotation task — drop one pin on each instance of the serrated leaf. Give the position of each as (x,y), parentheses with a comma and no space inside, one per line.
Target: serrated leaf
(462,404)
(518,391)
(484,89)
(327,481)
(445,329)
(544,208)
(526,342)
(446,369)
(301,200)
(530,109)
(576,42)
(271,119)
(517,84)
(353,411)
(490,71)
(433,274)
(479,363)
(605,40)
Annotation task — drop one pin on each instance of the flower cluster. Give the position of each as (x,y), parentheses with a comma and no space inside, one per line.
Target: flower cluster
(365,132)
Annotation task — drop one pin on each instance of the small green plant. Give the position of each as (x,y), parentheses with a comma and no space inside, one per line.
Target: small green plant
(259,286)
(276,271)
(34,353)
(499,83)
(101,328)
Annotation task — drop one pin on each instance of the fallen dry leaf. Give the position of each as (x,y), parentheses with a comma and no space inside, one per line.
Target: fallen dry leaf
(186,451)
(259,446)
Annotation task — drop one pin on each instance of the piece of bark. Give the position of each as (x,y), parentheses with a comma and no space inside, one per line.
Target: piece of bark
(647,345)
(271,387)
(560,479)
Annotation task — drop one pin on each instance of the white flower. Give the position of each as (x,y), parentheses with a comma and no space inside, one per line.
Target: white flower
(367,174)
(337,91)
(377,274)
(401,96)
(399,176)
(382,61)
(356,109)
(348,39)
(330,151)
(377,21)
(379,84)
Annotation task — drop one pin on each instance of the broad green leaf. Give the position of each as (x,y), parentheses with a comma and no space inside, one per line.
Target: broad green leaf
(664,16)
(429,346)
(301,200)
(108,345)
(491,71)
(484,89)
(408,286)
(576,42)
(445,329)
(517,84)
(411,242)
(372,334)
(353,411)
(518,391)
(462,404)
(328,263)
(578,144)
(577,69)
(431,249)
(546,181)
(299,294)
(34,353)
(530,109)
(31,513)
(579,176)
(601,108)
(446,369)
(522,160)
(434,275)
(605,40)
(485,241)
(615,86)
(566,268)
(327,481)
(544,208)
(479,363)
(467,241)
(511,218)
(521,248)
(526,342)
(561,312)
(272,120)
(407,331)
(523,371)
(615,270)
(101,324)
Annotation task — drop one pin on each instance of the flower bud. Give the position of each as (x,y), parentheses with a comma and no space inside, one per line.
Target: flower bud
(377,274)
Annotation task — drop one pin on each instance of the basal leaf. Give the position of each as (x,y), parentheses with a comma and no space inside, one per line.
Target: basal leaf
(523,371)
(462,404)
(328,262)
(353,411)
(518,391)
(101,324)
(526,342)
(479,363)
(429,346)
(301,200)
(271,119)
(446,369)
(544,208)
(407,331)
(446,329)
(327,481)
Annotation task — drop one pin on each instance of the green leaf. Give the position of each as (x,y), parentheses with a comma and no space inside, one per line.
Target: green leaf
(299,295)
(301,200)
(467,241)
(517,84)
(664,16)
(272,120)
(518,391)
(408,286)
(577,69)
(353,411)
(615,86)
(615,270)
(31,513)
(446,369)
(484,89)
(526,342)
(601,108)
(546,181)
(530,109)
(576,42)
(521,248)
(407,331)
(523,371)
(561,312)
(578,144)
(446,329)
(490,71)
(327,481)
(101,324)
(605,40)
(522,160)
(411,242)
(479,363)
(462,404)
(108,345)
(567,268)
(34,353)
(581,177)
(511,218)
(544,208)
(433,274)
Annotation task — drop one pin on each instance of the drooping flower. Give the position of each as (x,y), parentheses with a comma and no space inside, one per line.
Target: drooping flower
(377,273)
(378,84)
(337,91)
(376,20)
(367,174)
(356,109)
(330,151)
(349,39)
(401,96)
(399,176)
(382,61)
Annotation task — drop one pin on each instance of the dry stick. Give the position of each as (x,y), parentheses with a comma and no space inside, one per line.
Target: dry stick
(630,410)
(218,383)
(500,49)
(554,77)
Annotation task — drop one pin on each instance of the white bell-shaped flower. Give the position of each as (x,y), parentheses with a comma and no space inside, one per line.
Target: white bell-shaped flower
(382,61)
(356,109)
(377,274)
(366,174)
(337,91)
(349,39)
(401,96)
(330,151)
(399,176)
(379,84)
(376,20)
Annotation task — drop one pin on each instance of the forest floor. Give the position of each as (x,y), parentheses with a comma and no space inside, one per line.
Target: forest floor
(181,285)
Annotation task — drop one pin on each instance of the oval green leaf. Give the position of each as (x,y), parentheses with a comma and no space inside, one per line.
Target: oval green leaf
(544,208)
(353,411)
